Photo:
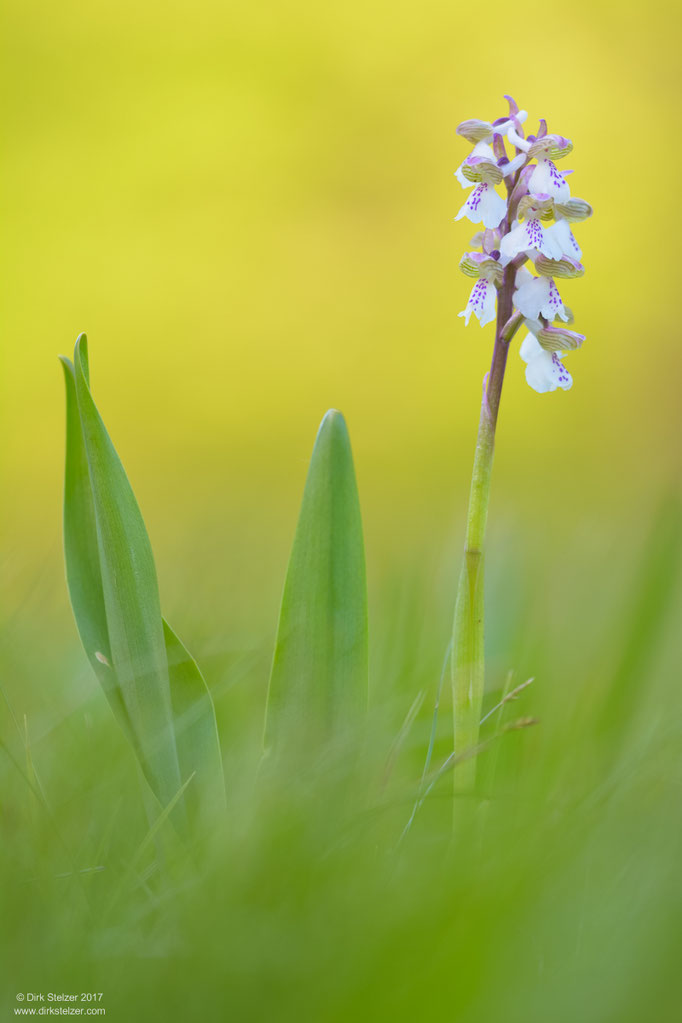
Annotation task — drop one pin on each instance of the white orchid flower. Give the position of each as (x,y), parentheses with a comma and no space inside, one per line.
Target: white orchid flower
(563,238)
(484,206)
(529,237)
(548,180)
(482,302)
(544,370)
(482,152)
(537,297)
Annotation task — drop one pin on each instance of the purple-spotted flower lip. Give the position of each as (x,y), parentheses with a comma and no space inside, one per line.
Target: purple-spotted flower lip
(481,302)
(532,239)
(484,205)
(547,180)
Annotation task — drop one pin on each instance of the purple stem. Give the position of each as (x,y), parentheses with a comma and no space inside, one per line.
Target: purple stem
(505,308)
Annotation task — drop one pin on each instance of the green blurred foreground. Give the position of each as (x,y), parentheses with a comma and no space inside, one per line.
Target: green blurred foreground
(555,897)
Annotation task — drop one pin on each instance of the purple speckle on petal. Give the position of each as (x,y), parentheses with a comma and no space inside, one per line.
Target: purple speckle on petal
(534,234)
(476,196)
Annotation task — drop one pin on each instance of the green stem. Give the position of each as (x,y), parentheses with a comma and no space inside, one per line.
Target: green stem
(468,661)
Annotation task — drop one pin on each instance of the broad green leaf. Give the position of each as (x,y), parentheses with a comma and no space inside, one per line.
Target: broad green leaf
(153,685)
(81,550)
(131,597)
(318,683)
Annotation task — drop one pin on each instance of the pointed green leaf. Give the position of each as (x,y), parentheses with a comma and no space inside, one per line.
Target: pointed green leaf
(131,597)
(318,683)
(153,685)
(81,550)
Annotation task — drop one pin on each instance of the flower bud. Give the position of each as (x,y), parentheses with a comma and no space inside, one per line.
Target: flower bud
(475,130)
(564,267)
(550,147)
(558,339)
(574,210)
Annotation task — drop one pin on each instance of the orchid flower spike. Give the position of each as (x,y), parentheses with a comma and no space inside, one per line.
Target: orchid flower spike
(530,224)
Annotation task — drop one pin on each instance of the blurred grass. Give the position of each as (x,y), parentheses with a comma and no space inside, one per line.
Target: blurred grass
(252,206)
(559,898)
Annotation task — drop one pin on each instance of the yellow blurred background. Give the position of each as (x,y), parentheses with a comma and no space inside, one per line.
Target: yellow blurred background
(248,207)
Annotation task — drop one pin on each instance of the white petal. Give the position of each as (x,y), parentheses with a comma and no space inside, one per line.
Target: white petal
(494,207)
(523,276)
(489,310)
(545,372)
(484,204)
(563,236)
(553,305)
(513,165)
(530,348)
(481,302)
(485,150)
(517,141)
(472,207)
(503,128)
(531,297)
(526,237)
(540,297)
(513,243)
(553,247)
(547,180)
